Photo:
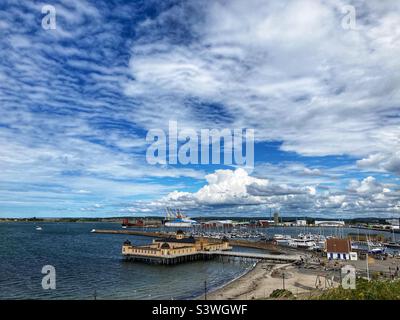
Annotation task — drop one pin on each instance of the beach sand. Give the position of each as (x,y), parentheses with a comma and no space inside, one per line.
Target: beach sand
(264,278)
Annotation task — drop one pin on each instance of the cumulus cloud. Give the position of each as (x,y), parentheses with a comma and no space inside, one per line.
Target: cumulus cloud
(287,69)
(237,189)
(77,101)
(389,161)
(224,187)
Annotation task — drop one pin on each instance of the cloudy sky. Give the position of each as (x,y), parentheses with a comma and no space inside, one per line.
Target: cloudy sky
(322,95)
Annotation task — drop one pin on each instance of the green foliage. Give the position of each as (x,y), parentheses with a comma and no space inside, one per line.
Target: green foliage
(372,290)
(281,293)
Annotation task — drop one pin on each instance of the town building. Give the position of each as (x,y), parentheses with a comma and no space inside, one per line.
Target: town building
(339,249)
(329,223)
(174,246)
(276,218)
(301,222)
(394,224)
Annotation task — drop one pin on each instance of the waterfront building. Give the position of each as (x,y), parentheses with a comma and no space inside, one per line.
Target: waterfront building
(263,223)
(276,218)
(339,249)
(329,223)
(301,222)
(174,246)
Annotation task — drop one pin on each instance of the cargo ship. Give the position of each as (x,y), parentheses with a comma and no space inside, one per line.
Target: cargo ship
(137,223)
(176,219)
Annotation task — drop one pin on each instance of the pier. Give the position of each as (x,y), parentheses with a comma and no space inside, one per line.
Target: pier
(279,258)
(207,255)
(181,248)
(156,234)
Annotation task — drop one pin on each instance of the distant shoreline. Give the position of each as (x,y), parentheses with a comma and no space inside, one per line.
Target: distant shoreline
(56,221)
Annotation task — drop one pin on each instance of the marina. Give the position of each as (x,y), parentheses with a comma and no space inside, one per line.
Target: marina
(259,256)
(274,237)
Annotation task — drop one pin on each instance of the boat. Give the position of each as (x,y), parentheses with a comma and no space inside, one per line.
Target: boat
(179,223)
(369,246)
(302,243)
(177,219)
(282,240)
(377,250)
(38,228)
(93,230)
(136,223)
(392,245)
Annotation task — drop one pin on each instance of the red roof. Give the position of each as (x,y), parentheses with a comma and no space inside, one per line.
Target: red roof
(338,245)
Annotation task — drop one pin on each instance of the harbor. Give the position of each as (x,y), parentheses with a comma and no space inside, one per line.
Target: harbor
(274,234)
(305,259)
(254,268)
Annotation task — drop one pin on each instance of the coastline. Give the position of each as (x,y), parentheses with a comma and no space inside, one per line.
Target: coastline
(261,280)
(224,285)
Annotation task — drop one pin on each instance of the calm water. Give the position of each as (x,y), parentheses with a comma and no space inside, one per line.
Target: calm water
(87,263)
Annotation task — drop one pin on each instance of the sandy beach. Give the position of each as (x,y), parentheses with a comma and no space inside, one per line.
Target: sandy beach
(303,281)
(265,277)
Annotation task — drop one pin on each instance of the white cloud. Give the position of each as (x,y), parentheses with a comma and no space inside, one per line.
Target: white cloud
(224,187)
(287,69)
(72,116)
(236,189)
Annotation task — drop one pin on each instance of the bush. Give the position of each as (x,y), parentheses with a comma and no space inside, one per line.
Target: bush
(281,293)
(372,290)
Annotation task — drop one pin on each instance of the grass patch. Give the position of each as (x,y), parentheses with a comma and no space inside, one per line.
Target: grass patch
(365,290)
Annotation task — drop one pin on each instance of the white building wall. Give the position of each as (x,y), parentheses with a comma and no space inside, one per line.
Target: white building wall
(301,222)
(338,256)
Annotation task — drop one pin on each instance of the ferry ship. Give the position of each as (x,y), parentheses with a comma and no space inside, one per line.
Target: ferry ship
(176,219)
(303,241)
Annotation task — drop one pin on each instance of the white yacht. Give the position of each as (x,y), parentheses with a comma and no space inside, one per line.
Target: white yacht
(283,240)
(302,243)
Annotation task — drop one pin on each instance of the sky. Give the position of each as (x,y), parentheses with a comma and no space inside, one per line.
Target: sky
(319,87)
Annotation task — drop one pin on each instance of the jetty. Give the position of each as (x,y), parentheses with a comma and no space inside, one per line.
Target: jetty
(208,255)
(168,249)
(157,234)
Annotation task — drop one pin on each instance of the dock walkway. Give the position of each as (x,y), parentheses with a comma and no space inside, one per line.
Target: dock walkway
(207,255)
(262,256)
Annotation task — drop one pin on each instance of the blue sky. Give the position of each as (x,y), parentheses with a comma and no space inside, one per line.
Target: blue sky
(77,102)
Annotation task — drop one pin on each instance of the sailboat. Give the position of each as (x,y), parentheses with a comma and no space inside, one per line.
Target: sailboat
(375,247)
(393,244)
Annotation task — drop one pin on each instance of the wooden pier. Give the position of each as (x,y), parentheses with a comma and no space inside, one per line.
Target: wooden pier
(279,258)
(207,255)
(232,242)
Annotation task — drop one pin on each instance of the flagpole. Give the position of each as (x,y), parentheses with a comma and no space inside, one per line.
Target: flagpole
(367,257)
